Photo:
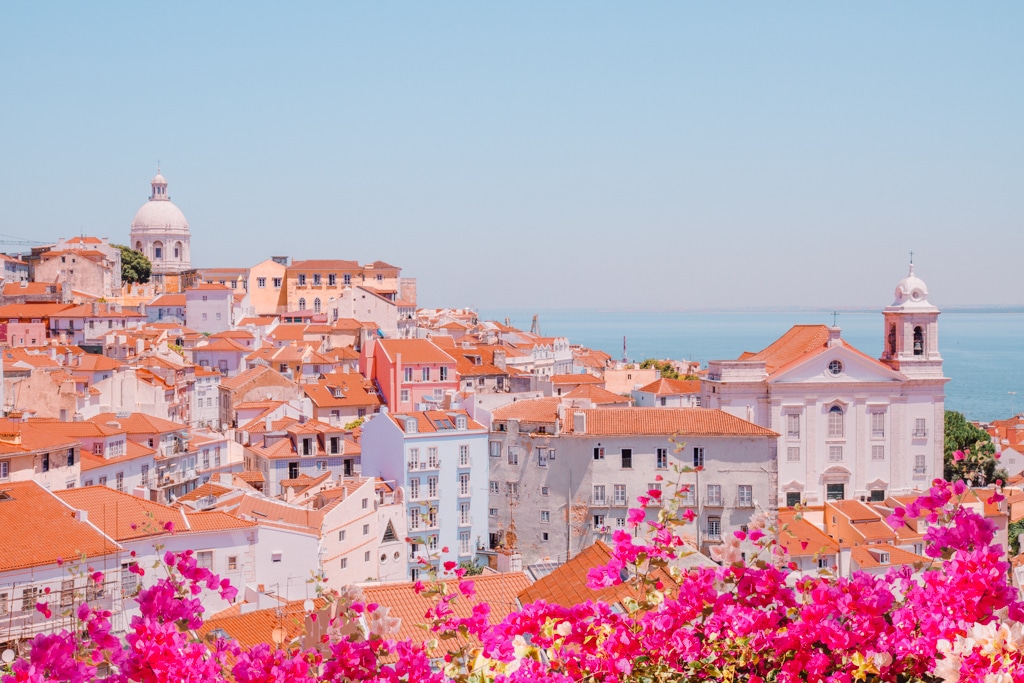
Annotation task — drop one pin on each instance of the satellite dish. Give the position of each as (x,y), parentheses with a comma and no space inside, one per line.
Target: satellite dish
(308,605)
(278,635)
(8,656)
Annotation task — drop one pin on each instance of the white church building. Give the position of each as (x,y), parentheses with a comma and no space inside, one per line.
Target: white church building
(849,426)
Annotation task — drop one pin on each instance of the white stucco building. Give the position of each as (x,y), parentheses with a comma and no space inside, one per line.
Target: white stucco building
(850,426)
(161,233)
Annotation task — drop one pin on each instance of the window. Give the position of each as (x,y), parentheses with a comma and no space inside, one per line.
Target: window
(261,282)
(464,518)
(544,536)
(878,452)
(835,453)
(463,484)
(824,562)
(71,457)
(662,458)
(414,459)
(495,488)
(404,396)
(492,512)
(627,458)
(513,455)
(495,449)
(119,481)
(341,535)
(426,374)
(145,475)
(67,592)
(414,518)
(598,522)
(919,464)
(542,457)
(688,499)
(366,503)
(792,498)
(277,283)
(204,559)
(321,465)
(745,496)
(432,461)
(878,425)
(920,430)
(793,425)
(835,422)
(316,306)
(619,494)
(598,453)
(366,556)
(347,279)
(620,522)
(835,367)
(332,279)
(431,487)
(714,528)
(464,455)
(698,457)
(46,462)
(97,448)
(512,488)
(28,598)
(316,278)
(232,563)
(443,373)
(877,495)
(793,454)
(366,530)
(599,498)
(835,491)
(302,279)
(414,488)
(544,490)
(408,374)
(918,341)
(714,495)
(464,543)
(545,516)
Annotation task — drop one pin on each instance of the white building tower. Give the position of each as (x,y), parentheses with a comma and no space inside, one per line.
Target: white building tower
(911,343)
(160,231)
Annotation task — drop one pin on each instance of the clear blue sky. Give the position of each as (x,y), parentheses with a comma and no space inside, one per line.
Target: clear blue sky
(539,155)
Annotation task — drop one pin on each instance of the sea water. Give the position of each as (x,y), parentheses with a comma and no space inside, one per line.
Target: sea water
(982,349)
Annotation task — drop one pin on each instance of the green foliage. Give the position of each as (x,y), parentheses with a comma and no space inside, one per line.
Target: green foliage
(663,366)
(969,453)
(471,567)
(1014,530)
(358,422)
(135,267)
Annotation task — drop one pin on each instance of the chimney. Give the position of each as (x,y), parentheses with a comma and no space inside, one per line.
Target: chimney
(95,308)
(81,516)
(833,337)
(269,424)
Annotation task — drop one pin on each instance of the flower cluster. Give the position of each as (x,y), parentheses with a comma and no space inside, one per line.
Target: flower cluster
(749,618)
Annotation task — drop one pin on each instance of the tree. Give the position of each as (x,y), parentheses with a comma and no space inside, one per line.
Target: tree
(663,366)
(135,267)
(969,453)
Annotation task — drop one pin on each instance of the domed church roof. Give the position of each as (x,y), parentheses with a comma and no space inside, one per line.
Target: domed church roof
(911,291)
(159,213)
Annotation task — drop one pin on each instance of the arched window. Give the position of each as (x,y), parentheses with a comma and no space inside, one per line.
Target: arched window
(918,341)
(316,305)
(138,247)
(835,422)
(892,339)
(177,250)
(158,250)
(302,304)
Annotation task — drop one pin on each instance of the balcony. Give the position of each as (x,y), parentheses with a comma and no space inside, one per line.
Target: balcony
(920,434)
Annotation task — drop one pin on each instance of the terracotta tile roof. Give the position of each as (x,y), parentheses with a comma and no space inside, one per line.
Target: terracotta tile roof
(122,516)
(801,538)
(530,410)
(258,509)
(13,289)
(251,476)
(45,528)
(168,301)
(342,389)
(581,378)
(214,520)
(138,423)
(672,387)
(500,591)
(207,489)
(258,626)
(221,344)
(658,421)
(414,351)
(798,341)
(863,556)
(567,585)
(44,310)
(131,452)
(430,421)
(33,436)
(246,376)
(208,286)
(103,311)
(598,396)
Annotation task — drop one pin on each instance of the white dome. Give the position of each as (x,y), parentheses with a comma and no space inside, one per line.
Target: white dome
(911,290)
(158,178)
(160,215)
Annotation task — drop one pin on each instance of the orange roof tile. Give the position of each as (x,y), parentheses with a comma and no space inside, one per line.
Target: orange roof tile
(582,378)
(598,396)
(414,351)
(658,421)
(531,410)
(45,529)
(122,516)
(801,538)
(672,387)
(863,556)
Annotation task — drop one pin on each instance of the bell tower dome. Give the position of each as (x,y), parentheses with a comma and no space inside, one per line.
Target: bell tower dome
(911,342)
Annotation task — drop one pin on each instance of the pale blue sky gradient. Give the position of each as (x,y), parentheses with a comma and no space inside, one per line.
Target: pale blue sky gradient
(539,155)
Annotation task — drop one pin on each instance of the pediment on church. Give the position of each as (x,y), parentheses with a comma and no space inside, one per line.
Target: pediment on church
(835,365)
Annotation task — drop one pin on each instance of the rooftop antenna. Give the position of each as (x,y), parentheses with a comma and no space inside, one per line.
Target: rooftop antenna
(624,355)
(835,314)
(535,327)
(911,258)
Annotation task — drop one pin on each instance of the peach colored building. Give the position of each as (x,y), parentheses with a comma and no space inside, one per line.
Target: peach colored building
(267,293)
(410,372)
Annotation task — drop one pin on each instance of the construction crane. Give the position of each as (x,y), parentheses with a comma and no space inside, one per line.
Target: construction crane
(20,242)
